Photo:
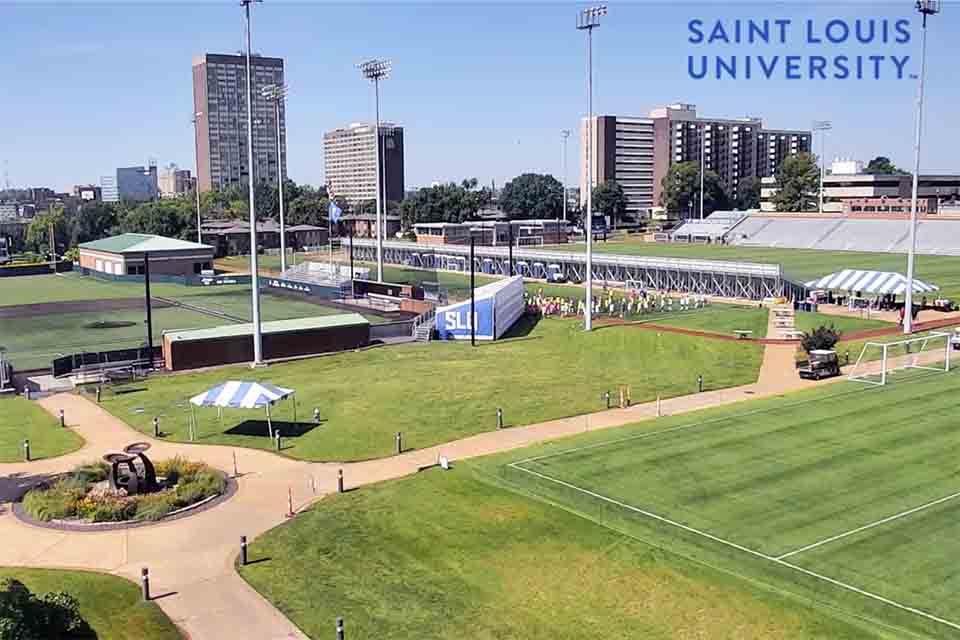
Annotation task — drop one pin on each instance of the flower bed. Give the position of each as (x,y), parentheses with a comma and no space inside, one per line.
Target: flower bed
(84,495)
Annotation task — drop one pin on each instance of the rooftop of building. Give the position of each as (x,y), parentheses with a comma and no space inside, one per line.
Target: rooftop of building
(276,326)
(141,242)
(235,58)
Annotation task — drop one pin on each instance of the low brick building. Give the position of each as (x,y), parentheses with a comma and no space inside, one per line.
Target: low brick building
(124,255)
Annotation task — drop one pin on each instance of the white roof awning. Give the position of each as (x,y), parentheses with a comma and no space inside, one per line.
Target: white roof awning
(873,282)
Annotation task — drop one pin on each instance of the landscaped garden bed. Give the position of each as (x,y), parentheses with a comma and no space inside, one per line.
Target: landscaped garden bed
(85,497)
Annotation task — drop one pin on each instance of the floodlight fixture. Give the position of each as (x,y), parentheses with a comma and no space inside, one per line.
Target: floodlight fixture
(590,17)
(375,69)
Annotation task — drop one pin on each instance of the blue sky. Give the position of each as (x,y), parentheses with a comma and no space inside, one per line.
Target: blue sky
(483,89)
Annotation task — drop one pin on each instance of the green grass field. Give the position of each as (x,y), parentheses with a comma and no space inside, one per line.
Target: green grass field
(110,605)
(808,321)
(799,264)
(442,391)
(447,555)
(32,342)
(848,483)
(22,420)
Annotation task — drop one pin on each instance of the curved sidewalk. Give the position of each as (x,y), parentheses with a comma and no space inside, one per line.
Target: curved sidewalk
(191,560)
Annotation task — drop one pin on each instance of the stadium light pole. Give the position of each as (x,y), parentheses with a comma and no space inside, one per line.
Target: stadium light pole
(254,273)
(377,70)
(822,126)
(196,178)
(276,94)
(564,134)
(588,20)
(926,8)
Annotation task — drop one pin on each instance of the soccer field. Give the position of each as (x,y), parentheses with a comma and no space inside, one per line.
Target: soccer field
(800,264)
(849,494)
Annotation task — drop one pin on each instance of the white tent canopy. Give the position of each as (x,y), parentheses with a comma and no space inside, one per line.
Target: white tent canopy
(245,395)
(872,282)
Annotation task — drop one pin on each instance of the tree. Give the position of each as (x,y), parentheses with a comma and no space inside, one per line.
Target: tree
(38,233)
(681,191)
(174,218)
(24,616)
(448,202)
(532,195)
(609,200)
(93,222)
(798,182)
(883,166)
(748,193)
(820,338)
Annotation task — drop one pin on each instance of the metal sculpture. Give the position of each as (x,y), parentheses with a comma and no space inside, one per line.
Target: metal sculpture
(132,470)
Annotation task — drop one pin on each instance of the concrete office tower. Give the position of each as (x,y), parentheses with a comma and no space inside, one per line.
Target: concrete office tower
(623,150)
(220,98)
(175,182)
(638,152)
(349,158)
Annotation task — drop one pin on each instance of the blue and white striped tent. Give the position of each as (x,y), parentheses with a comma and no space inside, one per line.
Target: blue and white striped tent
(243,395)
(873,282)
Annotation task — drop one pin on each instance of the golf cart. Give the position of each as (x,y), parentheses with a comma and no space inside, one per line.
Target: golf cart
(821,364)
(955,340)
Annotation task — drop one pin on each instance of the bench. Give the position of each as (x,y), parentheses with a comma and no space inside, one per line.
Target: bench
(742,334)
(794,334)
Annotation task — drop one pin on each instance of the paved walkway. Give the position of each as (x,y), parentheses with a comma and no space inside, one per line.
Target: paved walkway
(191,560)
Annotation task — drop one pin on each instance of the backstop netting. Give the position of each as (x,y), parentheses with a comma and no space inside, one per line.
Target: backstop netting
(879,360)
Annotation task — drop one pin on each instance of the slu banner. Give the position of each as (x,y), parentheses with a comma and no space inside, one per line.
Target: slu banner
(497,306)
(454,322)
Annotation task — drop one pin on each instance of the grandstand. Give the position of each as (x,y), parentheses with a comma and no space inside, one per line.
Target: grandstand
(874,234)
(710,229)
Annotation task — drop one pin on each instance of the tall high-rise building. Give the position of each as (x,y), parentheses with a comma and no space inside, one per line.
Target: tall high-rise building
(638,152)
(349,160)
(220,97)
(623,151)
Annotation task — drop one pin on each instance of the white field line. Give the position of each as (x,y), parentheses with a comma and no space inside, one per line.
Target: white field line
(896,516)
(692,425)
(746,550)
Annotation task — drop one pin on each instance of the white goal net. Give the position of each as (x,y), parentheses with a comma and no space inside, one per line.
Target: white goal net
(879,360)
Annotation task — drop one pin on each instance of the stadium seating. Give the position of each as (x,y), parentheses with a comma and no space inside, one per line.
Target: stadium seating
(935,237)
(710,229)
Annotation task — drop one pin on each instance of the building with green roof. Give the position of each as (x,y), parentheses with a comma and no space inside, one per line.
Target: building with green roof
(124,255)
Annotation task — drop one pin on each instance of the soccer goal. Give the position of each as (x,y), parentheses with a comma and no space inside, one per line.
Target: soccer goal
(930,352)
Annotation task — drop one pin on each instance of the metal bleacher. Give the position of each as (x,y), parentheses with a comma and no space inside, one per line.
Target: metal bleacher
(934,237)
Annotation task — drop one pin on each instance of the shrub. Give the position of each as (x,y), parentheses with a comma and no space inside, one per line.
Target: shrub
(72,496)
(155,506)
(820,338)
(59,501)
(23,616)
(92,472)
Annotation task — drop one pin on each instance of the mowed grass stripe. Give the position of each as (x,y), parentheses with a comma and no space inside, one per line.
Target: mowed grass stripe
(778,481)
(912,560)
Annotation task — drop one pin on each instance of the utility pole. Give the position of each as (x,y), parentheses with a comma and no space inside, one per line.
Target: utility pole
(822,126)
(588,20)
(926,8)
(276,93)
(254,268)
(564,134)
(196,178)
(377,70)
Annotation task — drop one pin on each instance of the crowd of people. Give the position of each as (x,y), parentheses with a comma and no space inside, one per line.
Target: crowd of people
(614,305)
